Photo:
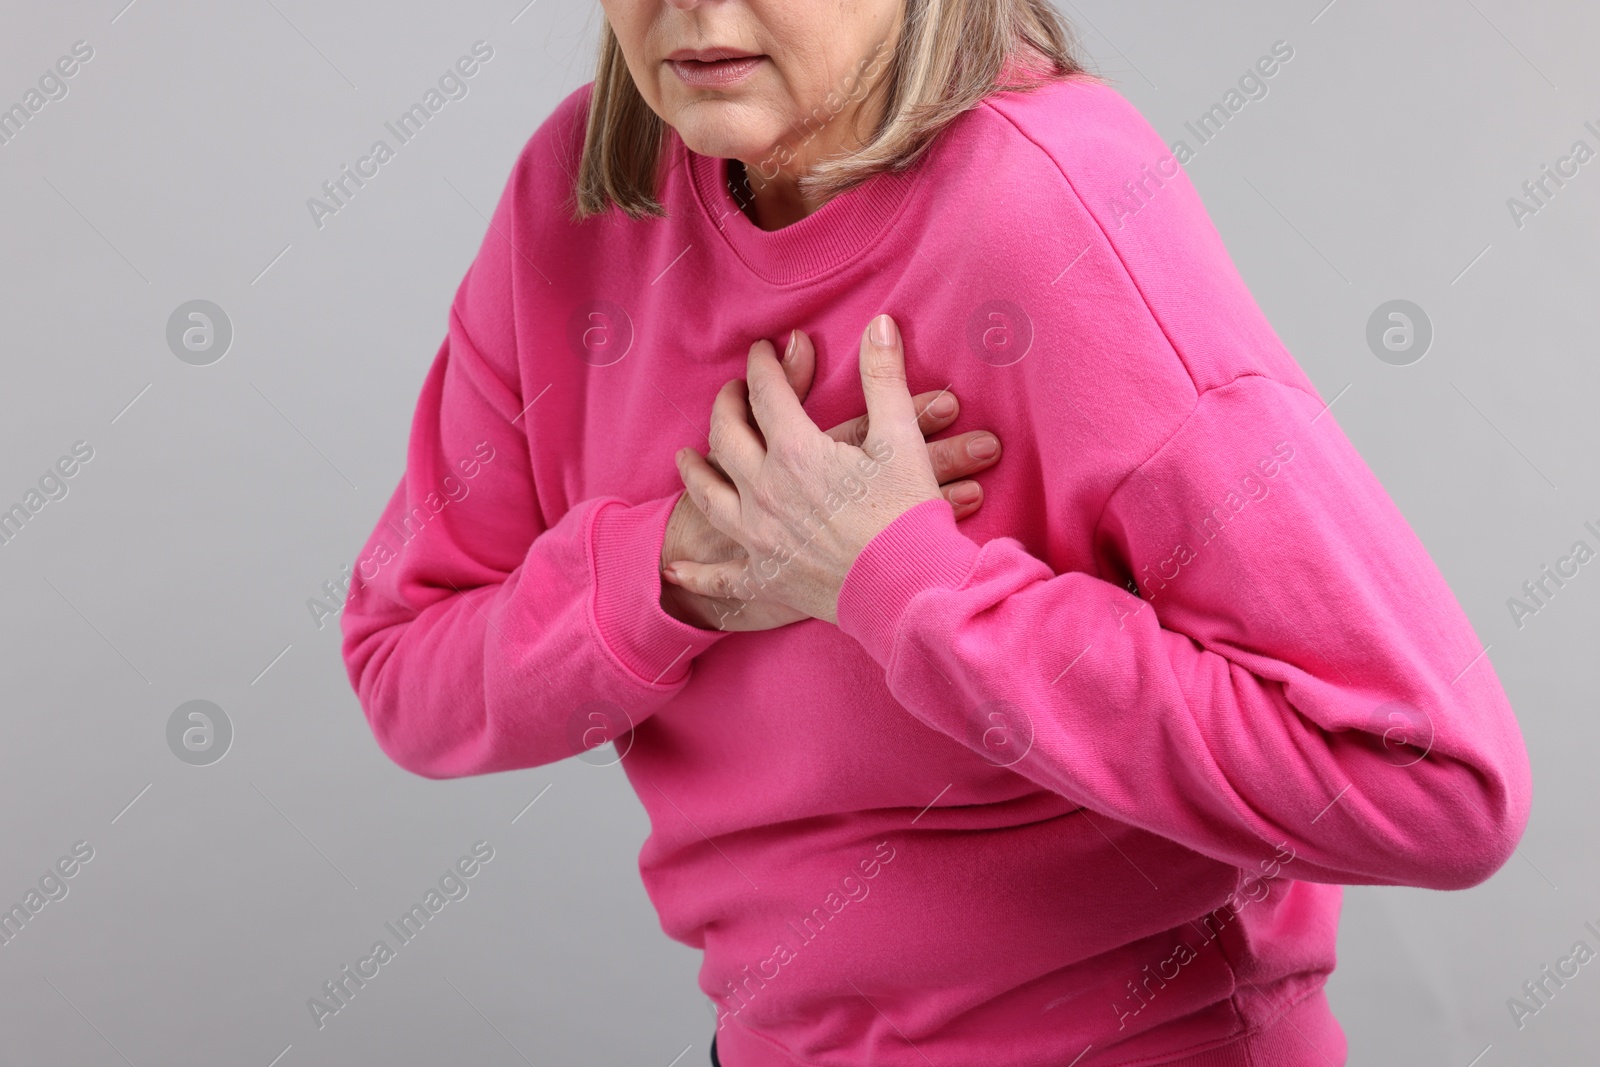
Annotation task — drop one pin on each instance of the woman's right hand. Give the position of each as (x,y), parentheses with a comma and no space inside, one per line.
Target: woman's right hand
(689,535)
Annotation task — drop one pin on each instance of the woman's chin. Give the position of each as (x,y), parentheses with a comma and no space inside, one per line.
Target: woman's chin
(725,130)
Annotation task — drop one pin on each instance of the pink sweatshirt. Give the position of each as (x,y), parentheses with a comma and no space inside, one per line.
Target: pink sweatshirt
(1074,781)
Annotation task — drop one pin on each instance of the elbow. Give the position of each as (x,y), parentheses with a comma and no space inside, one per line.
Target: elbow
(1479,825)
(1474,861)
(433,712)
(397,734)
(439,729)
(1499,829)
(1443,823)
(400,742)
(399,739)
(1451,816)
(1491,801)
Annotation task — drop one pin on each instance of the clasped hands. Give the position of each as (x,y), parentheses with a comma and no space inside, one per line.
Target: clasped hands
(778,510)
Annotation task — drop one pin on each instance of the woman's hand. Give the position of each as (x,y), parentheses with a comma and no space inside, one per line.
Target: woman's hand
(799,502)
(691,537)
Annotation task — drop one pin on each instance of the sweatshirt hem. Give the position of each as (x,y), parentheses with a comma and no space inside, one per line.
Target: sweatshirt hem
(1303,1034)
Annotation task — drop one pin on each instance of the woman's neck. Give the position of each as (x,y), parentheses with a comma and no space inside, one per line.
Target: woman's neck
(775,203)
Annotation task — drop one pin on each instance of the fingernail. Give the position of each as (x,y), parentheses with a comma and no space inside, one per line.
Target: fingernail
(942,405)
(965,494)
(788,351)
(983,447)
(883,331)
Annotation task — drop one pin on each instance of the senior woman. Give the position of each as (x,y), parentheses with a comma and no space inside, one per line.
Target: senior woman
(949,759)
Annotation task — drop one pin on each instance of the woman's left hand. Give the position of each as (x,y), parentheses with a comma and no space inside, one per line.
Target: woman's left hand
(801,504)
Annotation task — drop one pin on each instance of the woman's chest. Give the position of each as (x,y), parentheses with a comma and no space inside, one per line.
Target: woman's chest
(632,388)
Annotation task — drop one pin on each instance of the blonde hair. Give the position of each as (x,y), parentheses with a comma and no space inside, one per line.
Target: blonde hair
(949,57)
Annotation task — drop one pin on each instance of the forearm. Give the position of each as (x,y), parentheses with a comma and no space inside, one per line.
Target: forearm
(563,653)
(1301,679)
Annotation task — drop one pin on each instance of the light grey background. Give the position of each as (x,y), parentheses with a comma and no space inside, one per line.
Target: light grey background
(179,565)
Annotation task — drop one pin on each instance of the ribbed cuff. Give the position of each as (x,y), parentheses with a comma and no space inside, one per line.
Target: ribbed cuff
(625,547)
(921,549)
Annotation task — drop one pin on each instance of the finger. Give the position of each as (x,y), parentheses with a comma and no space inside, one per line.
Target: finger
(719,581)
(964,454)
(776,409)
(799,362)
(964,497)
(736,448)
(717,500)
(883,382)
(936,409)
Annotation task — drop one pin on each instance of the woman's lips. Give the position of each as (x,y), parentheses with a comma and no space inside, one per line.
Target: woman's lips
(716,74)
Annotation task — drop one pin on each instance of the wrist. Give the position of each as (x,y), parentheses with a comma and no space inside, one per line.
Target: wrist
(682,605)
(630,607)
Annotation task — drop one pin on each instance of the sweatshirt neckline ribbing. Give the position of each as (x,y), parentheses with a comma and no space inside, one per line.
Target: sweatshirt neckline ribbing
(841,230)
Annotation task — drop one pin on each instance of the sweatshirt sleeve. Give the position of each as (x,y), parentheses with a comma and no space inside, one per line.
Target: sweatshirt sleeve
(479,635)
(1294,668)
